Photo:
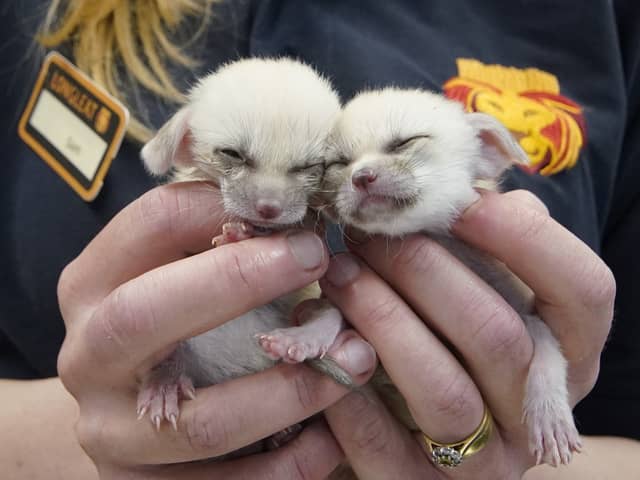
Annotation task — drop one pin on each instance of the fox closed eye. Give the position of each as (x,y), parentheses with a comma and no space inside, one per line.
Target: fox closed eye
(234,156)
(231,153)
(312,168)
(340,161)
(401,144)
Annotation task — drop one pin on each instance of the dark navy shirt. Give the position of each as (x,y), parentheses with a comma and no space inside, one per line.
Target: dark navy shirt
(593,50)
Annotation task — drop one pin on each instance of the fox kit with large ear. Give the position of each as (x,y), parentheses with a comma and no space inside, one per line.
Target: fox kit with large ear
(407,161)
(257,129)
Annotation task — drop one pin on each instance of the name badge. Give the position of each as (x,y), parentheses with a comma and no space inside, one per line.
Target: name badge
(74,125)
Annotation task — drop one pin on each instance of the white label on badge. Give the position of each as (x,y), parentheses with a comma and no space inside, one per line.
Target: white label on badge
(67,133)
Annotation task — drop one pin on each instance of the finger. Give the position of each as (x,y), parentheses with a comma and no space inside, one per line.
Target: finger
(459,306)
(165,224)
(193,295)
(375,444)
(222,418)
(574,288)
(378,447)
(442,397)
(313,455)
(456,303)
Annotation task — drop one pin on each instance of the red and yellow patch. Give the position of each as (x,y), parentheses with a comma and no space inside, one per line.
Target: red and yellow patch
(548,126)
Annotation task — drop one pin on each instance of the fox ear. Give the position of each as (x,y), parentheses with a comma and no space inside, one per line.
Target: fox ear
(171,146)
(499,149)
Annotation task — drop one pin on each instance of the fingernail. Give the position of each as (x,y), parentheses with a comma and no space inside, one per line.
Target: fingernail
(343,269)
(307,249)
(356,356)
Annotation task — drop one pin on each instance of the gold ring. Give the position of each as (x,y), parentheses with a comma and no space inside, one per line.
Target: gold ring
(451,454)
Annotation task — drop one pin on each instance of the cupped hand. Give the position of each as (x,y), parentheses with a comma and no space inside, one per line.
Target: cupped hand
(150,280)
(417,305)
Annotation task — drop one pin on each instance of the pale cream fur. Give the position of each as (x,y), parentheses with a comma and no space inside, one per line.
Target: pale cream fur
(276,115)
(424,155)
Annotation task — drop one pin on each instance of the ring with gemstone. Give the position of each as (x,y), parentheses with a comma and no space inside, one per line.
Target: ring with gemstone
(451,455)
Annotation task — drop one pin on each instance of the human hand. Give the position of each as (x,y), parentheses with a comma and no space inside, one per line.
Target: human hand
(150,280)
(413,301)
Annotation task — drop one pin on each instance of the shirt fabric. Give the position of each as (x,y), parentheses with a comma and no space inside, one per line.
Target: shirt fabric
(593,50)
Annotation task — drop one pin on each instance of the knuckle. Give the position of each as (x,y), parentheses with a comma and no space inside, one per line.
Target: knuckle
(306,391)
(598,286)
(451,397)
(382,315)
(92,434)
(158,210)
(110,320)
(582,380)
(68,366)
(500,332)
(208,435)
(75,365)
(370,434)
(420,254)
(119,320)
(66,285)
(293,463)
(301,466)
(68,291)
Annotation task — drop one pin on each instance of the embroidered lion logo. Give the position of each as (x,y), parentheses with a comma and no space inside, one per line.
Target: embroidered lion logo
(549,127)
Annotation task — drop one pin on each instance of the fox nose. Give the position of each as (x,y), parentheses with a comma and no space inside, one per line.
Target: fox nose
(268,209)
(363,177)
